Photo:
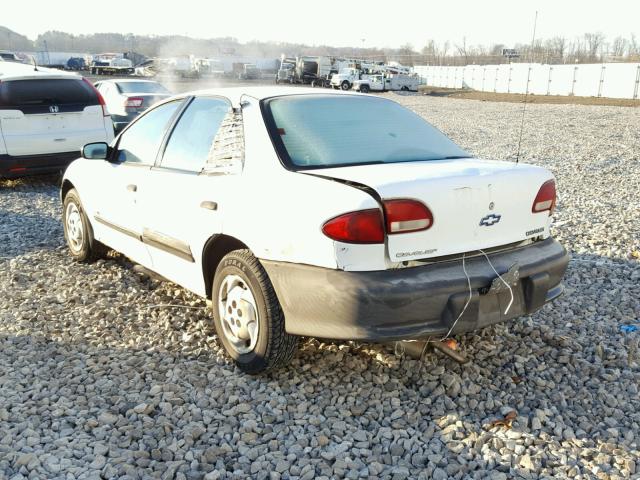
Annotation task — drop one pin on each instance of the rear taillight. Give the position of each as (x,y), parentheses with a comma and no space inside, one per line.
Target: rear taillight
(546,198)
(133,102)
(363,226)
(404,216)
(368,226)
(103,104)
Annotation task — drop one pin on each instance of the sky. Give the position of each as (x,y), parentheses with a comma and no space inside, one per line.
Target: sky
(368,24)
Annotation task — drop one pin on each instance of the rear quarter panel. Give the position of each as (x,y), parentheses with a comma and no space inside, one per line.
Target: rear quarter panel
(279,214)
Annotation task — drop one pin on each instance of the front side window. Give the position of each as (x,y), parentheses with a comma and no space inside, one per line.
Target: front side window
(192,139)
(321,131)
(140,142)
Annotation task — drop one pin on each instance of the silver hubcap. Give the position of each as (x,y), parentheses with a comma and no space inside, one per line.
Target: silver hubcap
(238,314)
(75,231)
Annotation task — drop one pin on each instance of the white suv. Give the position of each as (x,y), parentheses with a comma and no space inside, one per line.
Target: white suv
(46,116)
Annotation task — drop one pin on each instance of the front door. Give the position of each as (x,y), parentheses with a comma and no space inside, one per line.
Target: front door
(117,221)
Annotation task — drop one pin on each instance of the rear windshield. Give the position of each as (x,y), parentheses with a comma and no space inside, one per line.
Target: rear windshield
(39,92)
(9,57)
(141,87)
(321,131)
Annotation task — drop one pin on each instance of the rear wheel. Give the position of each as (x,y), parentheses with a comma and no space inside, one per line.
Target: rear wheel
(78,232)
(345,85)
(247,315)
(405,89)
(364,88)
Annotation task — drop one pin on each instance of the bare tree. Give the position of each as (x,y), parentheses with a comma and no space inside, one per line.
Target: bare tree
(462,50)
(430,52)
(406,54)
(594,43)
(557,47)
(619,47)
(634,48)
(444,52)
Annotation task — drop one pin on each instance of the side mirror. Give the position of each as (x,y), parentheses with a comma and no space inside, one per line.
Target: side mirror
(95,151)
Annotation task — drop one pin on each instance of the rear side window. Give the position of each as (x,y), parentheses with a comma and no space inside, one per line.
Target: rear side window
(191,141)
(46,92)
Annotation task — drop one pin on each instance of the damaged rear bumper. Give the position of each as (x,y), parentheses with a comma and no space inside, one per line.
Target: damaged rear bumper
(415,302)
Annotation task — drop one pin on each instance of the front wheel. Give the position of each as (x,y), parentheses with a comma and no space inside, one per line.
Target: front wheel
(78,232)
(247,315)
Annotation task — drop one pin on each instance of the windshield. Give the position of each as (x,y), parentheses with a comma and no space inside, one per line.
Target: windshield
(320,131)
(141,87)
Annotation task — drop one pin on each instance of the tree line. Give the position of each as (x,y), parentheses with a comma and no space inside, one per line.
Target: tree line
(588,48)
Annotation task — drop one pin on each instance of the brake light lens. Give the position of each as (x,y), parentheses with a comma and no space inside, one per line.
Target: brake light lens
(546,198)
(133,102)
(362,226)
(103,104)
(404,216)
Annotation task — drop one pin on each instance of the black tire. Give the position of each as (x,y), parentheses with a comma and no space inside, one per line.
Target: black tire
(88,249)
(345,85)
(364,88)
(405,89)
(274,347)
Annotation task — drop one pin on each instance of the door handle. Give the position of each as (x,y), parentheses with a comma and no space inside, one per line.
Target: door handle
(132,188)
(206,204)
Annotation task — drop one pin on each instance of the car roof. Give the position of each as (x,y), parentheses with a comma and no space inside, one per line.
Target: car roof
(235,94)
(17,71)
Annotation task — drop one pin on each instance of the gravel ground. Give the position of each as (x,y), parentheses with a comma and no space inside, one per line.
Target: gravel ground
(102,377)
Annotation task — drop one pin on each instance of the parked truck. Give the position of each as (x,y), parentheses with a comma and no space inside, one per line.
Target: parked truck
(345,78)
(246,71)
(315,71)
(387,82)
(111,64)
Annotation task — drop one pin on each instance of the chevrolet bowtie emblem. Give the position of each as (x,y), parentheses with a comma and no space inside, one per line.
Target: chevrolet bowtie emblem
(490,220)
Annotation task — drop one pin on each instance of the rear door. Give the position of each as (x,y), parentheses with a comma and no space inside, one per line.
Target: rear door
(180,204)
(50,115)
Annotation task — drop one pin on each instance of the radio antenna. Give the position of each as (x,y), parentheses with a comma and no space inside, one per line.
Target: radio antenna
(526,90)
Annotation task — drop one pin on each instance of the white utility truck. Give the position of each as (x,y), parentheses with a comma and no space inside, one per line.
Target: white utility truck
(387,82)
(345,78)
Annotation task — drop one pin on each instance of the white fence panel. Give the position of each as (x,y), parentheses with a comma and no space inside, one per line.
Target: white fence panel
(503,79)
(518,83)
(539,79)
(615,80)
(588,80)
(561,79)
(620,80)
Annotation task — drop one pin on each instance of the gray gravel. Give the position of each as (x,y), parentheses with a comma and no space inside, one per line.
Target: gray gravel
(99,378)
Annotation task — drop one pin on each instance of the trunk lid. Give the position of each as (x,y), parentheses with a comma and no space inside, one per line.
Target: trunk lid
(476,204)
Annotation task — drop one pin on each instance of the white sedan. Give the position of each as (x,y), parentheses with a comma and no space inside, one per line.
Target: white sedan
(335,215)
(126,98)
